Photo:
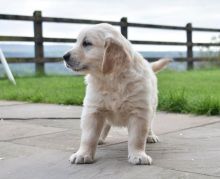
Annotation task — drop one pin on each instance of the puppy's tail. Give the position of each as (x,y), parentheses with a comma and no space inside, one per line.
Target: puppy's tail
(160,64)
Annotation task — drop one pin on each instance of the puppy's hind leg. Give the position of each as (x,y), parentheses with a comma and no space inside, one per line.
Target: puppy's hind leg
(152,138)
(104,133)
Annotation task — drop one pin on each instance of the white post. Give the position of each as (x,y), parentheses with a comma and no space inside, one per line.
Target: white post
(6,67)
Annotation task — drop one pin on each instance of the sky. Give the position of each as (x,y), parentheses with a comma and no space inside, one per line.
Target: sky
(201,13)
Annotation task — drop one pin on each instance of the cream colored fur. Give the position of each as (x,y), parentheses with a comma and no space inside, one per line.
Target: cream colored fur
(121,91)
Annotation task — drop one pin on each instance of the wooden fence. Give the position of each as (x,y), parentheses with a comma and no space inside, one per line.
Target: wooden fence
(38,38)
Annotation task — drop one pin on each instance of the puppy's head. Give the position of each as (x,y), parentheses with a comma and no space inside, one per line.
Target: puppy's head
(99,50)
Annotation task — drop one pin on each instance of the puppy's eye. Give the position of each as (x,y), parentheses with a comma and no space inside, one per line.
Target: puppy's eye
(86,43)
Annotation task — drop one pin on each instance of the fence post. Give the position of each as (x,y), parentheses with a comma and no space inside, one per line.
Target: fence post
(38,42)
(124,27)
(189,46)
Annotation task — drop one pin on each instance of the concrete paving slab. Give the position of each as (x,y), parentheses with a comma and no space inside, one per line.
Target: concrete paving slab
(109,164)
(195,150)
(40,148)
(29,110)
(73,124)
(198,155)
(9,150)
(13,130)
(169,122)
(68,140)
(189,154)
(164,121)
(11,103)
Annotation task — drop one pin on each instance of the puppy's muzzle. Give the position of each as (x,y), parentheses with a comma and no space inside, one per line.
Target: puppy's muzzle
(72,63)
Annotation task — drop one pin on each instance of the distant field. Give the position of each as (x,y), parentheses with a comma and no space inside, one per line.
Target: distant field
(195,92)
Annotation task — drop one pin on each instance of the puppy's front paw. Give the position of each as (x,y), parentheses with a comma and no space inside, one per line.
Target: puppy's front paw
(79,158)
(140,159)
(152,139)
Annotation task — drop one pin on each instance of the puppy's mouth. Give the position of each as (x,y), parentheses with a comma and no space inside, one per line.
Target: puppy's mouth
(76,67)
(83,68)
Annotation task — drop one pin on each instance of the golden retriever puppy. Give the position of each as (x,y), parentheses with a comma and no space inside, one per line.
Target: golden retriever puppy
(121,91)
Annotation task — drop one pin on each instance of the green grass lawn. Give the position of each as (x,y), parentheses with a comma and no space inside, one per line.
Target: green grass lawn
(47,89)
(195,92)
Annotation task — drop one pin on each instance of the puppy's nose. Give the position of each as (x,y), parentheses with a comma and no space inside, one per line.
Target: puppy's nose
(66,57)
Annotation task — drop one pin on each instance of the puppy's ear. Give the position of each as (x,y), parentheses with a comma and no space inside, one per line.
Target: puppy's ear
(115,56)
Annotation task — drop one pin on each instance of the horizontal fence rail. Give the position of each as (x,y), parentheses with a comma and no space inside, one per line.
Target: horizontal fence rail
(16,17)
(70,40)
(37,19)
(76,21)
(205,29)
(154,26)
(150,59)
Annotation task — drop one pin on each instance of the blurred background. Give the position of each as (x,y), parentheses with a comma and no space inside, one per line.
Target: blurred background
(200,13)
(34,35)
